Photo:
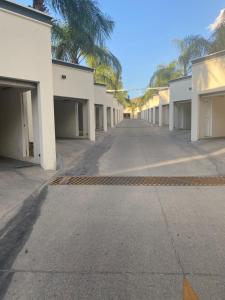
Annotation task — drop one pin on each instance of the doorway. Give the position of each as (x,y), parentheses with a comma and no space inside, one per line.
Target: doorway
(207,108)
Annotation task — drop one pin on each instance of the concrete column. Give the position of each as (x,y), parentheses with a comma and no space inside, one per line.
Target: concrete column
(171,116)
(160,115)
(46,125)
(90,109)
(36,134)
(111,111)
(154,119)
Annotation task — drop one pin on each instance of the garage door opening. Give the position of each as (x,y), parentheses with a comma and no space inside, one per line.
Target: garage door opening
(109,117)
(212,116)
(114,117)
(165,115)
(152,113)
(19,127)
(157,115)
(126,116)
(99,117)
(71,118)
(182,115)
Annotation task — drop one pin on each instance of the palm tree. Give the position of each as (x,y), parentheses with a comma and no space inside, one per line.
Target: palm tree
(71,45)
(218,40)
(101,59)
(191,47)
(84,16)
(218,33)
(164,73)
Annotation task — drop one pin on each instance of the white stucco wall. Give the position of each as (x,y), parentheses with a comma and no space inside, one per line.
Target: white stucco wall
(208,80)
(26,55)
(110,104)
(101,98)
(180,90)
(78,84)
(100,95)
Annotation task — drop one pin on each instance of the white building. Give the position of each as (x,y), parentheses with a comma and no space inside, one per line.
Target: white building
(73,100)
(26,86)
(41,98)
(155,109)
(180,103)
(208,104)
(102,102)
(164,107)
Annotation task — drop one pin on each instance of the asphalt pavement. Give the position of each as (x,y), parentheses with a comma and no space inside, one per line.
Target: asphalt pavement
(123,242)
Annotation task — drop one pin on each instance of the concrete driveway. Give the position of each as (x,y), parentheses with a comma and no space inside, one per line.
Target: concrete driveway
(119,242)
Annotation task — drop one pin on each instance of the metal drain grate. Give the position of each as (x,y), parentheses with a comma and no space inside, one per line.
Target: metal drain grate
(139,181)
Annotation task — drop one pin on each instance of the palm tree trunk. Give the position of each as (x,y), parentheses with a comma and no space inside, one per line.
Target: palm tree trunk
(39,5)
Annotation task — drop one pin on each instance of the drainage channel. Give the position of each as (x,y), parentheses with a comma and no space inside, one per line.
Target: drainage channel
(140,180)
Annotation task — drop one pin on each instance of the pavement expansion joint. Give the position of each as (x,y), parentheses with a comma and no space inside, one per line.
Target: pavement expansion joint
(112,273)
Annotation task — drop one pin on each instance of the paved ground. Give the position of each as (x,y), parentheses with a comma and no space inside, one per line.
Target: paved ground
(18,180)
(123,242)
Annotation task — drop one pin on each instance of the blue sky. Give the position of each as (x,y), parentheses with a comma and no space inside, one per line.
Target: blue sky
(145,30)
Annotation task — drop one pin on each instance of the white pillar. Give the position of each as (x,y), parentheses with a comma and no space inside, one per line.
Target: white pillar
(90,108)
(171,115)
(160,115)
(36,133)
(111,112)
(46,125)
(154,118)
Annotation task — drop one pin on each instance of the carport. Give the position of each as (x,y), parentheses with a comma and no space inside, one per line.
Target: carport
(152,115)
(114,117)
(180,103)
(156,115)
(99,117)
(208,108)
(212,115)
(182,115)
(165,115)
(109,116)
(19,134)
(73,101)
(155,106)
(126,116)
(101,102)
(110,110)
(71,119)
